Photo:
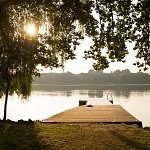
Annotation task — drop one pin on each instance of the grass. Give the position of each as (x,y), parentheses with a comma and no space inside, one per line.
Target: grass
(44,136)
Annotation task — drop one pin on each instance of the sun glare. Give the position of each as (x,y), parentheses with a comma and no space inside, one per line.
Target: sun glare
(30,29)
(42,30)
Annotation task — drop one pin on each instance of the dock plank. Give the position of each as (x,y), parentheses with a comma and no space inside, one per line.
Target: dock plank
(95,114)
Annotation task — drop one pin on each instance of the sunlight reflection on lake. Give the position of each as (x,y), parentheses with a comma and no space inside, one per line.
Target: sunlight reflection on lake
(48,100)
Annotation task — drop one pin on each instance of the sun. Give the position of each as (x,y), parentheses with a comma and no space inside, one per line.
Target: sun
(30,29)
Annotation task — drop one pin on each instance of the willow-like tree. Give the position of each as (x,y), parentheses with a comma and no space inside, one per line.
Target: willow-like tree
(34,33)
(46,33)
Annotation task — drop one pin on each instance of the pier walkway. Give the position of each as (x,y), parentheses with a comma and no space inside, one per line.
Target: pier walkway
(95,114)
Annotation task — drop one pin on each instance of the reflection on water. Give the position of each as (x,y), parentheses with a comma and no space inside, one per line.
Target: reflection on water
(48,100)
(122,93)
(91,91)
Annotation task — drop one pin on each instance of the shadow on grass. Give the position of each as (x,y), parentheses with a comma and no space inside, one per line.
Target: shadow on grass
(19,136)
(138,145)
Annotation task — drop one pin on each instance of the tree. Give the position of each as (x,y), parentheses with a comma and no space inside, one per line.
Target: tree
(92,71)
(57,27)
(36,33)
(126,71)
(141,33)
(121,22)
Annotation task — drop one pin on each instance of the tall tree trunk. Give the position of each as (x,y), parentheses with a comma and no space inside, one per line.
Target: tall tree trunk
(6,100)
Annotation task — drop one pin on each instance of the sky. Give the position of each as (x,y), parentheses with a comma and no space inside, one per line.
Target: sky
(80,65)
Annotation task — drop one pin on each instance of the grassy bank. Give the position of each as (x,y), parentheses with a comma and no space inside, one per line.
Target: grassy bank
(34,135)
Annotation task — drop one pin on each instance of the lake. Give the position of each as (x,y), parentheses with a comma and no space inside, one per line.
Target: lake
(48,100)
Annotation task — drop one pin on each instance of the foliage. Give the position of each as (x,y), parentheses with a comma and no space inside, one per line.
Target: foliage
(121,22)
(141,31)
(55,41)
(60,25)
(94,78)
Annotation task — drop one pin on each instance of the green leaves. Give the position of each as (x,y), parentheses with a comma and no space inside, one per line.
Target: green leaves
(57,35)
(121,22)
(142,31)
(60,27)
(114,25)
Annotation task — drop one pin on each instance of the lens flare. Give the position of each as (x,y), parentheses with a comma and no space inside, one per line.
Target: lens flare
(30,29)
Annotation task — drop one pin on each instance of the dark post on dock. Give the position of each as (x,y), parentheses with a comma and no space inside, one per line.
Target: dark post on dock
(82,102)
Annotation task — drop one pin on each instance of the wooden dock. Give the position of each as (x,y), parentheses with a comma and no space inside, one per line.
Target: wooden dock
(95,114)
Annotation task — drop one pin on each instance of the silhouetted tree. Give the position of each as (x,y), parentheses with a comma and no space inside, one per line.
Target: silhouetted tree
(36,33)
(91,71)
(126,71)
(58,27)
(118,77)
(121,22)
(118,72)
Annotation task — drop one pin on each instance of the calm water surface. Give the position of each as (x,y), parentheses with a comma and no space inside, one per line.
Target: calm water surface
(48,100)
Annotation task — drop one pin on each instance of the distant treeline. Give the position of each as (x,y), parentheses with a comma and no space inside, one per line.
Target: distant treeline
(94,77)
